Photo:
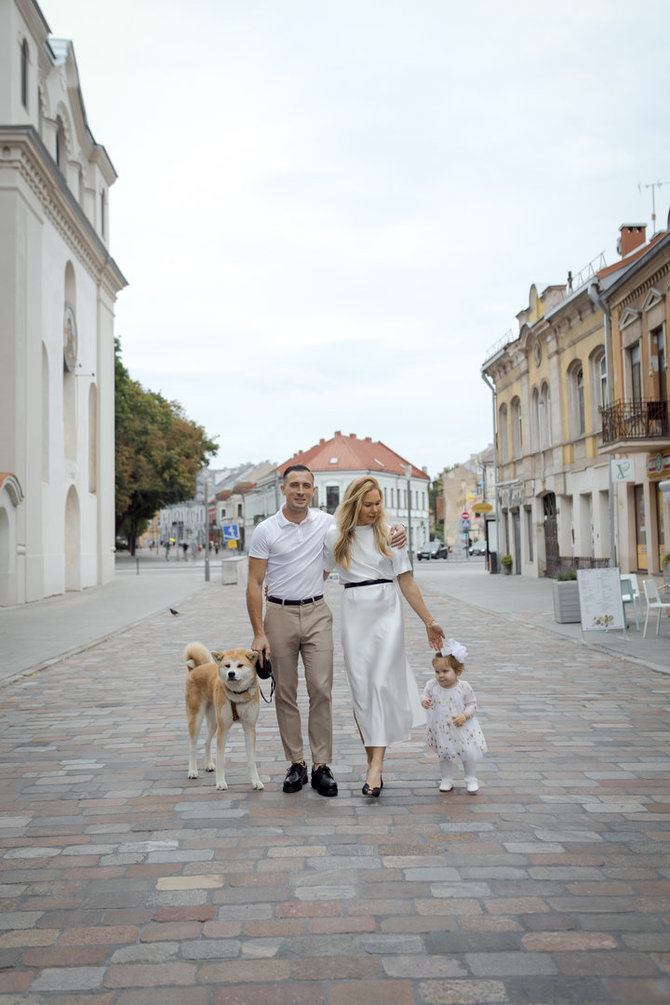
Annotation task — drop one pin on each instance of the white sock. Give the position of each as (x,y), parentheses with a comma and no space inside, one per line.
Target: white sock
(469,769)
(446,771)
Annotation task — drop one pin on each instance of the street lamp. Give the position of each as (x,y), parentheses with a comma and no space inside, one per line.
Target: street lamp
(408,473)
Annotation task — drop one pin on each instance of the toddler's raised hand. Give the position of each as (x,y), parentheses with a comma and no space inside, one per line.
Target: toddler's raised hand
(426,702)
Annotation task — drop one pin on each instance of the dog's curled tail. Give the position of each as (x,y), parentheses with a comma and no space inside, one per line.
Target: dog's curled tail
(196,654)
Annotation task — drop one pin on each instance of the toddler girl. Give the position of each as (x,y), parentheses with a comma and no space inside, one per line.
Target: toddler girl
(452,728)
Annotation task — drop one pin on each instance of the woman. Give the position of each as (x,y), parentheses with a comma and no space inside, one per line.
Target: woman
(383,688)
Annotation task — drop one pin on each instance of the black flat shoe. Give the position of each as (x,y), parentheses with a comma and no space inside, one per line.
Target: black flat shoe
(376,792)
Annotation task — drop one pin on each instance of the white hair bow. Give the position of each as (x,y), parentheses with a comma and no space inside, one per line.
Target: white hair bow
(456,649)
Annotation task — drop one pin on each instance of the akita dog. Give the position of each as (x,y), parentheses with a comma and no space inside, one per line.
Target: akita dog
(221,688)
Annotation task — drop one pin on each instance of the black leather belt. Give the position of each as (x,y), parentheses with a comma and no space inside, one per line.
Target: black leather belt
(367,582)
(295,603)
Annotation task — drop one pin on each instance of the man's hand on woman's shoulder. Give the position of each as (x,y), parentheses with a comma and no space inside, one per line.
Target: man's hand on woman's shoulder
(397,536)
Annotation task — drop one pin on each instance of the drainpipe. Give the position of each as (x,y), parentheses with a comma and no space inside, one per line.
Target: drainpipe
(495,462)
(596,300)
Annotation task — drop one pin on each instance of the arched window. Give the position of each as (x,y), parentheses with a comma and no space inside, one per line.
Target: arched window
(598,381)
(503,444)
(46,416)
(92,438)
(60,144)
(577,415)
(515,422)
(25,60)
(579,385)
(544,417)
(535,443)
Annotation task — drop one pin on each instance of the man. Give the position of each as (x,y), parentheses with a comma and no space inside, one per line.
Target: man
(287,552)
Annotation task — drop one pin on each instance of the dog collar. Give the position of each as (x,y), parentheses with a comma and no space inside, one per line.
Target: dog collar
(238,694)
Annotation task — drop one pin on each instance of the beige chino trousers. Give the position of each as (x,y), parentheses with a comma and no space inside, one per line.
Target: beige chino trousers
(308,632)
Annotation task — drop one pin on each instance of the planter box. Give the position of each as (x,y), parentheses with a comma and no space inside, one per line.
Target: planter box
(566,601)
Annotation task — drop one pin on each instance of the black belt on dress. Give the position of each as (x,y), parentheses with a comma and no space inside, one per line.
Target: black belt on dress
(295,603)
(367,582)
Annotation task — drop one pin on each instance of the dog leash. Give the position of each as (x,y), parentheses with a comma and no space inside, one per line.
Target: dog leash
(268,701)
(265,673)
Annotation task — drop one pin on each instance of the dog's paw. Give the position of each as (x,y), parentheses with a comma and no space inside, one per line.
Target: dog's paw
(257,784)
(211,767)
(193,774)
(222,786)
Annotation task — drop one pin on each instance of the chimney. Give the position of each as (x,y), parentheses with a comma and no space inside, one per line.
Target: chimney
(631,236)
(338,432)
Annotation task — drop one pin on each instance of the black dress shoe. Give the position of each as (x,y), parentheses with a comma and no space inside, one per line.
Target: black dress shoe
(296,777)
(323,781)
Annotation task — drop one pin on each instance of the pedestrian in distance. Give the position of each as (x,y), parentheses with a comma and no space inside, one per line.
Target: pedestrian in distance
(384,691)
(453,730)
(287,553)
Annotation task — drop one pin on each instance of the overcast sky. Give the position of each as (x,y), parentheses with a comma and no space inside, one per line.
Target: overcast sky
(328,211)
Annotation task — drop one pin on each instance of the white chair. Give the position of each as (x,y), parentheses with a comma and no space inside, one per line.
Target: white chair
(654,603)
(628,596)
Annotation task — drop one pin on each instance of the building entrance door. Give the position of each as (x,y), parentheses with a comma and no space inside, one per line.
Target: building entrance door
(516,517)
(550,534)
(641,529)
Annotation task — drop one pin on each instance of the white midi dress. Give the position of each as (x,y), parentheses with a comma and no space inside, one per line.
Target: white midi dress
(383,688)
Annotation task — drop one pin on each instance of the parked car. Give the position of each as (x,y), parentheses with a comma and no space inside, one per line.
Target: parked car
(434,549)
(478,548)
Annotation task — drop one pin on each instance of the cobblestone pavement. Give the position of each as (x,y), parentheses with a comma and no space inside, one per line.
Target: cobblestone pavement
(124,883)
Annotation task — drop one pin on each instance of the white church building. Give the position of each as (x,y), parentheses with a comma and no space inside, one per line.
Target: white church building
(58,286)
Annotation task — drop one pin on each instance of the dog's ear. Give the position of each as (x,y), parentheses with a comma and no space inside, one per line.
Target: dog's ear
(217,656)
(252,656)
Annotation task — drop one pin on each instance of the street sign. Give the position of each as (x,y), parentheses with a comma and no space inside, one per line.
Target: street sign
(465,515)
(231,532)
(482,507)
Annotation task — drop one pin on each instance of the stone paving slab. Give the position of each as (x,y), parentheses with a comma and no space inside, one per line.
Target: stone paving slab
(124,883)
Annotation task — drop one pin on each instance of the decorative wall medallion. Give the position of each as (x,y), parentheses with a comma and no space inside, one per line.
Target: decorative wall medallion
(537,352)
(69,338)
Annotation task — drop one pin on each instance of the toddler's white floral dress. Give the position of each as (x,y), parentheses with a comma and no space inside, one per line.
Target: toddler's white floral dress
(449,741)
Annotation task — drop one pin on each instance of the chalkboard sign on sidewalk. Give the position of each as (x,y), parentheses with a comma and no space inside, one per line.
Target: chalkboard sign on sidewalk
(600,600)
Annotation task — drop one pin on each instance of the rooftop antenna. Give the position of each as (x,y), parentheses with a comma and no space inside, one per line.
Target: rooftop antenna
(653,185)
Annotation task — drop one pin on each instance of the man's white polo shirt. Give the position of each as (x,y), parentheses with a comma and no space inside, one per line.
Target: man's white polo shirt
(294,553)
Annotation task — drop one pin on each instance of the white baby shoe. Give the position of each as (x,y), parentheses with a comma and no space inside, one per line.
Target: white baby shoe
(472,786)
(446,785)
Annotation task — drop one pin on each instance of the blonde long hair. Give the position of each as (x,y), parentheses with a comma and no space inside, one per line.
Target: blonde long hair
(347,520)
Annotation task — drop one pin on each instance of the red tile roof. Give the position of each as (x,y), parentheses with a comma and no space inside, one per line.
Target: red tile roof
(349,453)
(629,259)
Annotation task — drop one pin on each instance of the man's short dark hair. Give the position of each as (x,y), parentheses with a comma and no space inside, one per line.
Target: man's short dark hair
(296,467)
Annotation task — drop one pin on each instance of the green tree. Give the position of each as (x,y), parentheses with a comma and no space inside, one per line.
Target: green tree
(158,452)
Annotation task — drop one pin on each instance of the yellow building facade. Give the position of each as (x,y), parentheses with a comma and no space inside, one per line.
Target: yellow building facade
(636,429)
(560,388)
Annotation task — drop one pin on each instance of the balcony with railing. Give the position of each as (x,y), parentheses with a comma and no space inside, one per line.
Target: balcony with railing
(637,423)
